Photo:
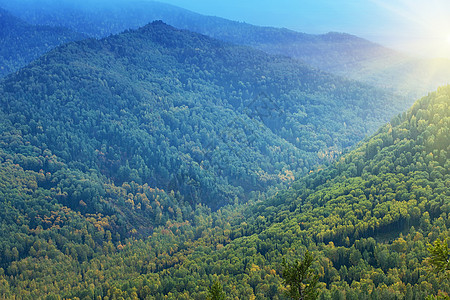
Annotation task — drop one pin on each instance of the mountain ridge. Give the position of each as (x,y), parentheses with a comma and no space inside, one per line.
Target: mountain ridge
(344,55)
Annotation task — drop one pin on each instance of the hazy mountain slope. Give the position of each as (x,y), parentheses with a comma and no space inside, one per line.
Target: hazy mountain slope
(100,18)
(338,53)
(137,129)
(20,43)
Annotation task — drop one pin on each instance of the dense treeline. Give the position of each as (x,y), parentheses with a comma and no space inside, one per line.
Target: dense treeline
(20,43)
(339,53)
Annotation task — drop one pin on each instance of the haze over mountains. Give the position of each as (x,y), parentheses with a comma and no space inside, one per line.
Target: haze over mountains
(21,43)
(154,162)
(338,53)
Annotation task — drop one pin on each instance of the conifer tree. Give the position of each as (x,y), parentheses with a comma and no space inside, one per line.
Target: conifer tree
(216,292)
(300,278)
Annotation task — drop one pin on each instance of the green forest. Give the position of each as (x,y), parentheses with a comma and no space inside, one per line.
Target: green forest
(160,163)
(367,219)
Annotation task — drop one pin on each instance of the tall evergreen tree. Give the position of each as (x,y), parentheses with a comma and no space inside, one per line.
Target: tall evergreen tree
(216,292)
(301,279)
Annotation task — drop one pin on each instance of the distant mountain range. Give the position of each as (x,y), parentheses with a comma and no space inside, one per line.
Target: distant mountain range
(20,42)
(339,53)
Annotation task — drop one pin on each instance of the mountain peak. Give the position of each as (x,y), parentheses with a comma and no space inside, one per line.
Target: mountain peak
(156,25)
(158,22)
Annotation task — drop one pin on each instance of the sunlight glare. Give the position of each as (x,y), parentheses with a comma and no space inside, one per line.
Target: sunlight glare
(423,25)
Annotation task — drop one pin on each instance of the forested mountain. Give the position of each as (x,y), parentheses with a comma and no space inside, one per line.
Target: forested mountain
(180,111)
(152,163)
(339,53)
(20,43)
(103,140)
(367,220)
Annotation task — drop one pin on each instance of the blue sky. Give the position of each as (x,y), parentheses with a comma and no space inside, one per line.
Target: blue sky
(421,27)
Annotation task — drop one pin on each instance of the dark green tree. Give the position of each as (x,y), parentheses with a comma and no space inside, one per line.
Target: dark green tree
(216,292)
(300,278)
